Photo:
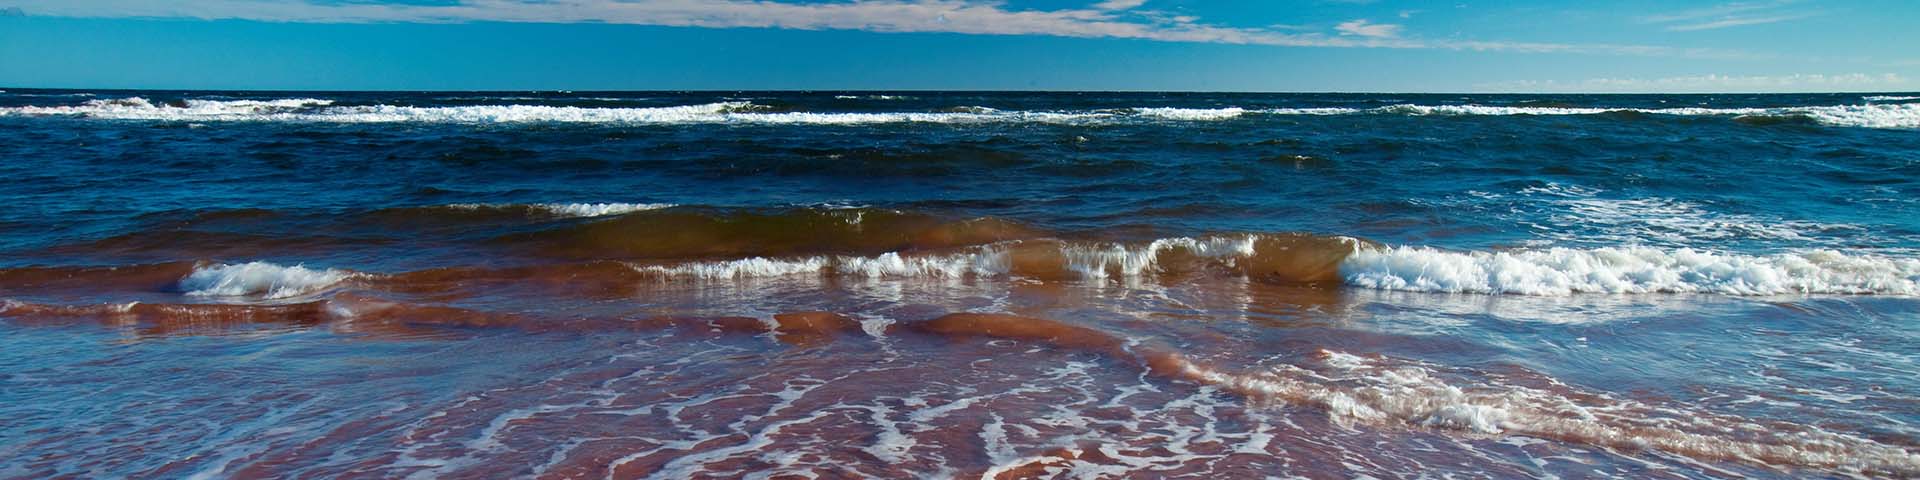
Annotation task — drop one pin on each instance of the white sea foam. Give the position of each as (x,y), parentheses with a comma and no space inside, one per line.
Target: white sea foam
(572,210)
(1130,261)
(984,262)
(1101,261)
(1675,222)
(137,108)
(1191,114)
(260,279)
(1313,111)
(1888,98)
(599,209)
(1868,116)
(1903,115)
(311,110)
(1562,271)
(511,114)
(872,97)
(1888,115)
(742,268)
(1552,271)
(980,262)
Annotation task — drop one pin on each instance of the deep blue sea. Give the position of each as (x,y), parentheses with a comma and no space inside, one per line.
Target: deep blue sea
(958,284)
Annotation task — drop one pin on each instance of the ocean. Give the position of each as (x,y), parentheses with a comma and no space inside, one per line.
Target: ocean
(199,284)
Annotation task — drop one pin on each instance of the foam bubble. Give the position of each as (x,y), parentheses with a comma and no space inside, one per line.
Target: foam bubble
(1563,271)
(261,279)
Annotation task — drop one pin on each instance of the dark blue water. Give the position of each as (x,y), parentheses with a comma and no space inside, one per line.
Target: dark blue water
(535,283)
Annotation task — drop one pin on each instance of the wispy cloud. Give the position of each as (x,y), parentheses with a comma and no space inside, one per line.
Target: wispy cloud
(1363,28)
(1119,4)
(1730,15)
(1107,19)
(1714,83)
(1737,21)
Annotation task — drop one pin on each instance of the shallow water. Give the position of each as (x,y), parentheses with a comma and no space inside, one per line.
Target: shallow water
(928,284)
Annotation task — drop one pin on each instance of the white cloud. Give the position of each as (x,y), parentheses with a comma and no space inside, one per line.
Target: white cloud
(1729,15)
(1736,21)
(1363,28)
(1119,4)
(1715,83)
(981,17)
(948,16)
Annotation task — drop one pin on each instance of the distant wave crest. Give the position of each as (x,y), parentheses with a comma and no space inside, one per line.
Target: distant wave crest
(1871,115)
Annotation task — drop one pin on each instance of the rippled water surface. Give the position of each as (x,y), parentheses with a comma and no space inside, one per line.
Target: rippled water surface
(927,284)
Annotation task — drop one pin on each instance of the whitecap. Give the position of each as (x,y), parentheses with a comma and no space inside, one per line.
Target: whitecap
(1563,271)
(599,209)
(262,279)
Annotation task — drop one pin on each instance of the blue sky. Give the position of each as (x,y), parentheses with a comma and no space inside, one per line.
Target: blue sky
(1219,45)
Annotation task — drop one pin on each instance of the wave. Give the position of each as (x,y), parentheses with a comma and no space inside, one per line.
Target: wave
(139,108)
(691,244)
(1888,98)
(872,97)
(567,210)
(259,279)
(730,234)
(1866,116)
(1283,258)
(311,110)
(1561,271)
(1302,259)
(1190,114)
(1895,115)
(343,313)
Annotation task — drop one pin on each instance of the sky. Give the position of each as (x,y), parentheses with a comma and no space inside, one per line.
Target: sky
(1183,45)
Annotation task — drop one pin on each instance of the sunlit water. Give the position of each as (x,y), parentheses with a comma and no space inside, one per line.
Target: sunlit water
(846,284)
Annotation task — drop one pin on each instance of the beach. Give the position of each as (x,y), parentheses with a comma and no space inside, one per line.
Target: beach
(209,284)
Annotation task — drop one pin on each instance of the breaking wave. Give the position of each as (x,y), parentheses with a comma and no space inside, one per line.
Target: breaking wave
(568,210)
(1303,259)
(1562,271)
(1871,115)
(1867,116)
(311,110)
(259,279)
